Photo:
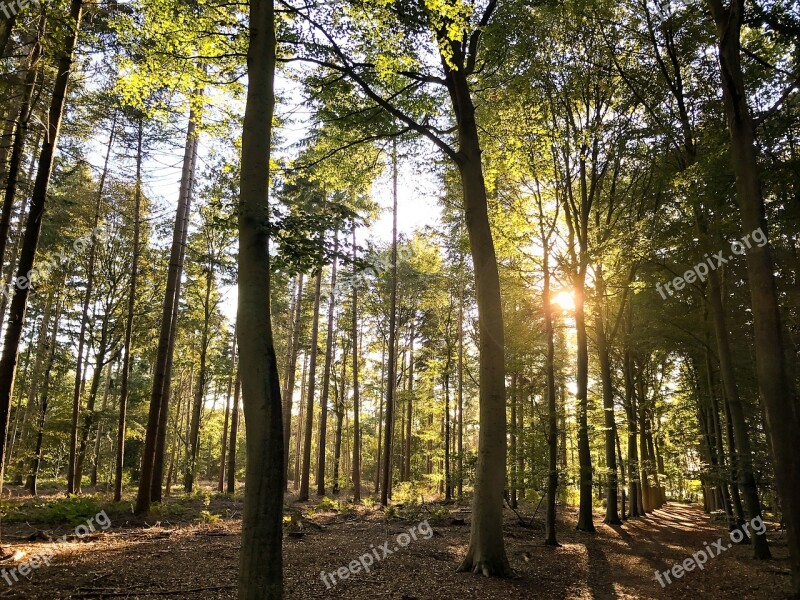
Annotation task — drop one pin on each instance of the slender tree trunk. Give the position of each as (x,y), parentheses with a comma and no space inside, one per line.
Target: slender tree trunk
(200,392)
(221,482)
(163,415)
(604,355)
(326,376)
(305,476)
(126,361)
(550,374)
(356,399)
(340,412)
(630,410)
(261,567)
(513,448)
(231,483)
(291,370)
(378,443)
(160,372)
(19,303)
(388,430)
(410,410)
(300,420)
(461,387)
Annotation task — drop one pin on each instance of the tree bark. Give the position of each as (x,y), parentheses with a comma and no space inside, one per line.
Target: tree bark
(126,361)
(356,399)
(388,430)
(291,371)
(326,376)
(261,566)
(163,415)
(231,483)
(603,352)
(486,553)
(312,381)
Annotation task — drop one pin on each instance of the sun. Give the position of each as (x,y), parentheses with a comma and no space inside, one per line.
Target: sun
(565,300)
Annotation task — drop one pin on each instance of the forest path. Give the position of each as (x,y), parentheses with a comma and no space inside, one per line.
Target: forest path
(196,561)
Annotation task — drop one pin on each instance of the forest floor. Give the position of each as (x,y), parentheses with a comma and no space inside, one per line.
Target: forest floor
(191,550)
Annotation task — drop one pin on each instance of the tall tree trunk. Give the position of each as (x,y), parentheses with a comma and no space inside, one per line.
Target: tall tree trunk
(461,386)
(513,449)
(291,370)
(410,409)
(231,483)
(604,355)
(550,374)
(298,441)
(486,552)
(356,399)
(305,476)
(19,304)
(637,506)
(326,376)
(126,361)
(163,415)
(780,403)
(261,567)
(200,392)
(224,442)
(388,430)
(378,440)
(164,350)
(341,394)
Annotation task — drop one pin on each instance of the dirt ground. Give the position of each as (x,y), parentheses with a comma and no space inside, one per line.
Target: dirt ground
(199,560)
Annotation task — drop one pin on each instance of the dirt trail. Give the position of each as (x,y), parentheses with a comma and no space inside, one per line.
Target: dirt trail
(200,562)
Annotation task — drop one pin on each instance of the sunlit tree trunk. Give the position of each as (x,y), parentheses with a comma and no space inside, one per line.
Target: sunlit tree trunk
(356,399)
(261,558)
(326,376)
(388,429)
(291,370)
(305,476)
(128,340)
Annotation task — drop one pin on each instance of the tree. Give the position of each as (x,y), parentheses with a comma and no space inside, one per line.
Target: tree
(261,567)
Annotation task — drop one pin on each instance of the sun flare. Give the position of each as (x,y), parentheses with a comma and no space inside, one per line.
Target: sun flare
(565,300)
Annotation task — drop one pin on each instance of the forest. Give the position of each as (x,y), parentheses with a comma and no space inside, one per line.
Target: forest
(414,299)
